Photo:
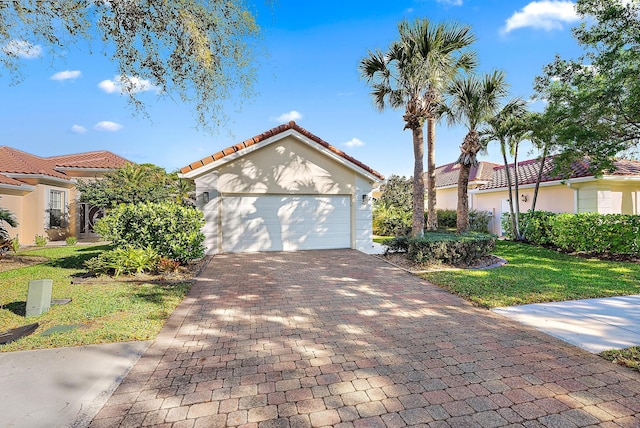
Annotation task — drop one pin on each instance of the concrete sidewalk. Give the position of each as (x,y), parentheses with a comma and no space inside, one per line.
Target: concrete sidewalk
(63,387)
(594,324)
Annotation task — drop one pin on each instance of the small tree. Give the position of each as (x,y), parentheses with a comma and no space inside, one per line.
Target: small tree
(133,184)
(508,128)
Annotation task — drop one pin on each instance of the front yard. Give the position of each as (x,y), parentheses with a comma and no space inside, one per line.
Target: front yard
(101,312)
(535,275)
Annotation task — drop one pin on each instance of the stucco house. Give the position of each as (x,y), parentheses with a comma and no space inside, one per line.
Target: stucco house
(616,192)
(283,190)
(41,192)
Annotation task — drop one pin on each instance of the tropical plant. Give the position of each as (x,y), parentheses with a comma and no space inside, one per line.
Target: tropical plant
(471,101)
(411,75)
(133,184)
(508,129)
(7,217)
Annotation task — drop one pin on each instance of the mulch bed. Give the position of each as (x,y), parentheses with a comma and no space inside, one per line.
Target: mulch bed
(401,260)
(12,261)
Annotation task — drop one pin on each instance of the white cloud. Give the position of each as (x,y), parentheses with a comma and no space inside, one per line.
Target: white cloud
(545,15)
(66,75)
(354,142)
(130,84)
(108,126)
(451,2)
(78,129)
(288,117)
(22,49)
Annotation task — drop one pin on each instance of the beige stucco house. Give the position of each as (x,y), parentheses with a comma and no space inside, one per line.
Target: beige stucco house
(41,192)
(617,192)
(283,190)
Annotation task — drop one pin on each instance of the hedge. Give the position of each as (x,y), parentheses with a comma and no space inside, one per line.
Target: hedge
(447,248)
(584,232)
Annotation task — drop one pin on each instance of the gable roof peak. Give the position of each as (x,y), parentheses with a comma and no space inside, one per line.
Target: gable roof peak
(291,125)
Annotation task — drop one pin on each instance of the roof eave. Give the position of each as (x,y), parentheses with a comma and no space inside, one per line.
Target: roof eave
(204,169)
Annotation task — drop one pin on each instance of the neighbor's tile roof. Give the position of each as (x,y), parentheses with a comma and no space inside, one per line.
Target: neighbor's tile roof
(13,161)
(268,134)
(447,175)
(528,172)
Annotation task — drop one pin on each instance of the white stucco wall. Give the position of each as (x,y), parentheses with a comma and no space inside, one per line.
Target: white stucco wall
(287,166)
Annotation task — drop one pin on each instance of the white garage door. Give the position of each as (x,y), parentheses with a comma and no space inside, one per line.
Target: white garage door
(285,223)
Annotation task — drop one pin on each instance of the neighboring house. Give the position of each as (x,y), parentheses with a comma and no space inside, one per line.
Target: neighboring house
(283,190)
(617,192)
(41,192)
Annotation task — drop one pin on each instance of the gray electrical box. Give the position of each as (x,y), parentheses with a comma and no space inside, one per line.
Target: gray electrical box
(39,297)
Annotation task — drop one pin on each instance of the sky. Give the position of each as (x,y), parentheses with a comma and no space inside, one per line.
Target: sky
(309,73)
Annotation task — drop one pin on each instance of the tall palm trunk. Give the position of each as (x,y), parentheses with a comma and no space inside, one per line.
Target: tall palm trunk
(462,212)
(417,224)
(514,228)
(469,151)
(432,214)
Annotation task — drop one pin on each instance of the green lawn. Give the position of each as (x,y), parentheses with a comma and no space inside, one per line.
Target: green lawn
(105,312)
(535,275)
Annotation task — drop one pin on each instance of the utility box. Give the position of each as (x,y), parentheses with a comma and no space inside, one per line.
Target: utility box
(39,297)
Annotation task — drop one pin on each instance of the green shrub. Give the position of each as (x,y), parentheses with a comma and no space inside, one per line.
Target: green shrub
(172,230)
(15,244)
(391,220)
(535,226)
(584,232)
(447,248)
(71,241)
(478,220)
(40,240)
(597,233)
(124,261)
(446,219)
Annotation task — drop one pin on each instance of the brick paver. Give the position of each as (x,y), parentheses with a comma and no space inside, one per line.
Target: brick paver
(341,338)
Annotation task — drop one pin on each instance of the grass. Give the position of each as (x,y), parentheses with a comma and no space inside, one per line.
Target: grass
(105,312)
(629,357)
(535,275)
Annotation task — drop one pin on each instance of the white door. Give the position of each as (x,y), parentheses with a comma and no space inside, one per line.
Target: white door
(285,223)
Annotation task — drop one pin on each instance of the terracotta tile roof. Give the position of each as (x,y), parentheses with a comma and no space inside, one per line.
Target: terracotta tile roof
(13,161)
(447,175)
(528,172)
(8,180)
(268,134)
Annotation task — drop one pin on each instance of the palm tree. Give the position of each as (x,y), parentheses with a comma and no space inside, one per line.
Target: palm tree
(471,101)
(412,74)
(508,128)
(6,216)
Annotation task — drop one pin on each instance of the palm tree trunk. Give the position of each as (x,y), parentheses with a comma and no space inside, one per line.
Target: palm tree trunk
(514,229)
(545,152)
(417,223)
(516,179)
(432,214)
(462,213)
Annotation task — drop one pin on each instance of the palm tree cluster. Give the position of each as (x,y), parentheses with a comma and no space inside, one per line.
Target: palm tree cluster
(428,72)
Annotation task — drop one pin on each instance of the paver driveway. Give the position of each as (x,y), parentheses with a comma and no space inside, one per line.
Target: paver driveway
(340,338)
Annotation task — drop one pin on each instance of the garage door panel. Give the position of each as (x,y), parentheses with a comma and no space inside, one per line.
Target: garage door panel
(285,223)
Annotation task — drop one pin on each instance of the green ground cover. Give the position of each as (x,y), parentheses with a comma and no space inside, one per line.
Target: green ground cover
(108,311)
(535,275)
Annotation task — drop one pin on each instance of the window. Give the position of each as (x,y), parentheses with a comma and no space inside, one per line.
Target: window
(56,209)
